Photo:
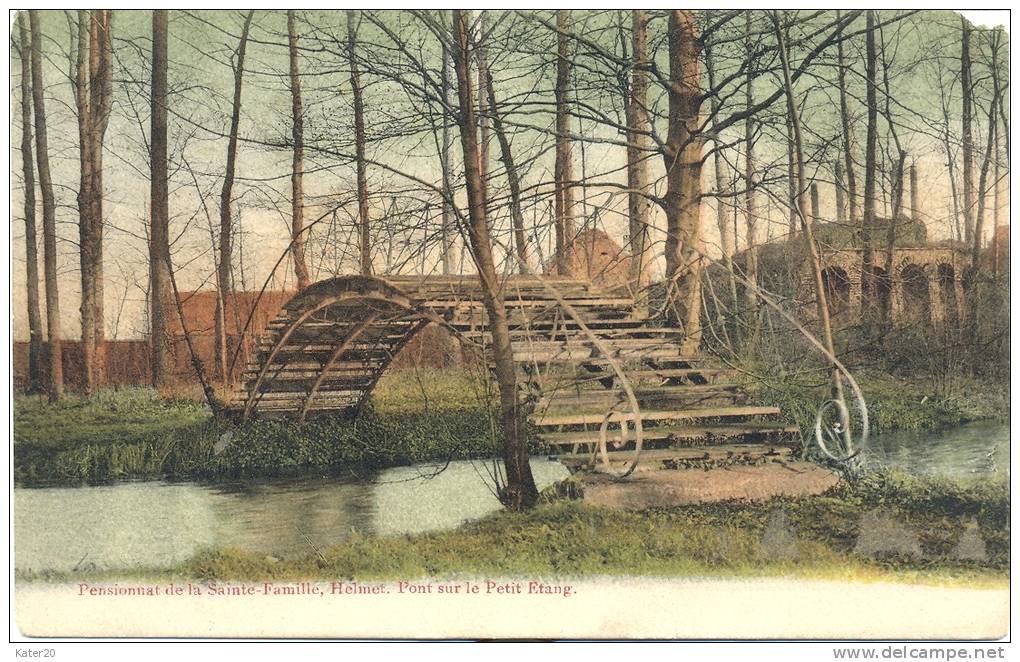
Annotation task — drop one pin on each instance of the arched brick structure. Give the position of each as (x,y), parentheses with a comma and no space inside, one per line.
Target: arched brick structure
(939,269)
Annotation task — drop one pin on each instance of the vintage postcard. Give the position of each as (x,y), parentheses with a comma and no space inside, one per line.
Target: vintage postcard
(678,324)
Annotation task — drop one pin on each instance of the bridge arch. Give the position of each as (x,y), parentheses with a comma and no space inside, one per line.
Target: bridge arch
(916,296)
(330,344)
(332,341)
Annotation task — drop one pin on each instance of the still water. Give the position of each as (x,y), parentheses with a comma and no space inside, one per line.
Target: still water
(158,524)
(968,450)
(154,524)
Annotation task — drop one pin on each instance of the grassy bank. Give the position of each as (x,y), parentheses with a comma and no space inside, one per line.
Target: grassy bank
(413,416)
(893,403)
(815,537)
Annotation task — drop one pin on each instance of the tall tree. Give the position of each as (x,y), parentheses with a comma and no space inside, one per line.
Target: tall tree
(990,153)
(93,94)
(520,488)
(800,205)
(297,190)
(727,238)
(444,158)
(161,299)
(225,267)
(35,331)
(848,141)
(868,285)
(840,180)
(750,197)
(896,186)
(638,148)
(55,374)
(513,181)
(483,98)
(683,161)
(364,230)
(968,132)
(563,170)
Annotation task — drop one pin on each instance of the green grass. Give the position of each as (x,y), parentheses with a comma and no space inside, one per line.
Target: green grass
(571,539)
(108,417)
(413,416)
(893,403)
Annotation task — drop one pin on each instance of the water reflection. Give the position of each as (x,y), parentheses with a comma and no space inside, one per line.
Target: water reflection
(156,524)
(959,452)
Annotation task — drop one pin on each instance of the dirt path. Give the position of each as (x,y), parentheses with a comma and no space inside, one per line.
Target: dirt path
(648,488)
(502,608)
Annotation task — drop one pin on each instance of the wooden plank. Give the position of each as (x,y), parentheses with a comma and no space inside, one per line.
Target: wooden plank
(676,415)
(720,452)
(678,395)
(685,433)
(558,380)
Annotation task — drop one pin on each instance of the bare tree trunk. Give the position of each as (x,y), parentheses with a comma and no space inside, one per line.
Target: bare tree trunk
(444,157)
(897,191)
(800,205)
(947,145)
(750,199)
(160,289)
(565,225)
(35,331)
(990,154)
(297,190)
(793,186)
(890,238)
(223,272)
(82,100)
(968,134)
(102,97)
(979,223)
(513,181)
(682,202)
(915,198)
(483,124)
(520,489)
(637,151)
(815,206)
(364,233)
(848,141)
(868,288)
(93,87)
(996,218)
(55,377)
(726,239)
(840,194)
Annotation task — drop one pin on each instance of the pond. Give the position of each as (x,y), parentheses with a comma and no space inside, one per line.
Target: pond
(968,450)
(158,524)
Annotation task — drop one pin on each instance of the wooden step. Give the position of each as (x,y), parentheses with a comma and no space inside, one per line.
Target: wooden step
(559,380)
(731,452)
(674,415)
(592,356)
(678,433)
(682,373)
(574,398)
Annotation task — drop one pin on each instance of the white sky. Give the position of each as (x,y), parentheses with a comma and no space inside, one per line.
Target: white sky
(988,18)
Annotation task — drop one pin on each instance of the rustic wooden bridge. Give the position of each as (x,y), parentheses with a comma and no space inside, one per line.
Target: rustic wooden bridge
(332,342)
